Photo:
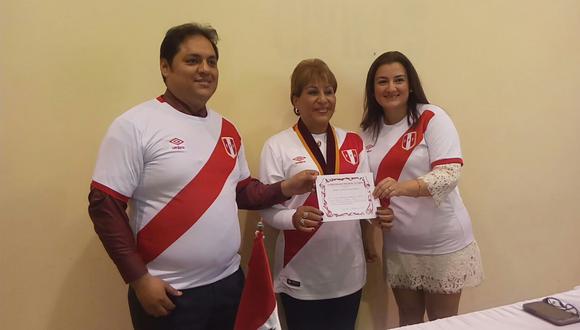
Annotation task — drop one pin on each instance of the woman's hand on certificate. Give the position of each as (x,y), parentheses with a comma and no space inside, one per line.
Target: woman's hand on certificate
(307,218)
(384,219)
(390,187)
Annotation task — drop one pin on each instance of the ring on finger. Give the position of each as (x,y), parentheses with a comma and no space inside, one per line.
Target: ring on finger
(302,222)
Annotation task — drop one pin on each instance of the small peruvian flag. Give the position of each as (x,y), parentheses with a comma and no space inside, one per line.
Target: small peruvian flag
(258,304)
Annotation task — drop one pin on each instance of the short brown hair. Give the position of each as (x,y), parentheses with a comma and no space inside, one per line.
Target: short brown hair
(177,34)
(307,71)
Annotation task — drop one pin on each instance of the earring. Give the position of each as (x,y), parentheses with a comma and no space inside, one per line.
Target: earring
(296,111)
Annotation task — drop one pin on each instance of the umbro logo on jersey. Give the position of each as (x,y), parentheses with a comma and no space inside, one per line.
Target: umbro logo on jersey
(177,144)
(176,141)
(299,160)
(351,156)
(408,141)
(230,146)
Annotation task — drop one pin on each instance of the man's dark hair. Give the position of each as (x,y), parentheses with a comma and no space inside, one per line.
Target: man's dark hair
(177,34)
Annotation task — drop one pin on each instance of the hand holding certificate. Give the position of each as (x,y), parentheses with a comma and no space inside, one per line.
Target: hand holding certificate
(346,196)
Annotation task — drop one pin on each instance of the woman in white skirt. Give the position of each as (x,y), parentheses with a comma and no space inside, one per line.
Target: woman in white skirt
(430,254)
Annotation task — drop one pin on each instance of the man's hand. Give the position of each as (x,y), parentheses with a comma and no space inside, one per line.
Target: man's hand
(384,219)
(152,294)
(307,218)
(300,183)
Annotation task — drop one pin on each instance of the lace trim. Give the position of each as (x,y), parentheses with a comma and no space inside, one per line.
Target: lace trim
(448,273)
(442,180)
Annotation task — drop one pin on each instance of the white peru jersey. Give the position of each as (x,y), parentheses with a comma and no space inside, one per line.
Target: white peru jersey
(179,174)
(406,153)
(329,263)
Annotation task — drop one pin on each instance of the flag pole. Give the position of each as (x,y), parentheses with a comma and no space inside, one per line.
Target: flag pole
(258,310)
(260,226)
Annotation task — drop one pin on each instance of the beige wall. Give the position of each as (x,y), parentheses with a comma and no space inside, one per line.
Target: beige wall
(508,72)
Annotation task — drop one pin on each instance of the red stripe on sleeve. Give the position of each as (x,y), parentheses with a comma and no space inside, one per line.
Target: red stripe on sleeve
(109,191)
(447,161)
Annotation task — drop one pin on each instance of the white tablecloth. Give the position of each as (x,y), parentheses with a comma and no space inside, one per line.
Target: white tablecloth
(508,317)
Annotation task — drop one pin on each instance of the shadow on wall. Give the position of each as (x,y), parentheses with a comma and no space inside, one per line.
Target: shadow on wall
(248,225)
(377,309)
(93,295)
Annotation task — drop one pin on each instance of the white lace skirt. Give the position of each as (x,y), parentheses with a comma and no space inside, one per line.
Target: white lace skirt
(446,273)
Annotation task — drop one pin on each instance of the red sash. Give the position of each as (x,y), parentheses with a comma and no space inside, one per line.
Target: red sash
(347,161)
(187,206)
(394,161)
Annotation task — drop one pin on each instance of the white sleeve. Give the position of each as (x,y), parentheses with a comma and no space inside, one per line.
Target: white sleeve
(120,160)
(442,140)
(243,164)
(278,216)
(363,166)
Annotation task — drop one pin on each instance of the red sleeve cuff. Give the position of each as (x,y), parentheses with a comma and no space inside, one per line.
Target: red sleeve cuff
(447,161)
(109,191)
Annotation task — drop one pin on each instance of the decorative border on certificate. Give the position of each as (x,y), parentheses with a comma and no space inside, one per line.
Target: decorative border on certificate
(346,196)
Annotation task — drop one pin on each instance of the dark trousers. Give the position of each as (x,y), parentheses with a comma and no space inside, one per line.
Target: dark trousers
(209,307)
(337,313)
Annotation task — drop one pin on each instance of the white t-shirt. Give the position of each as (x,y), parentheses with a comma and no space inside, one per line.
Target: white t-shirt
(179,174)
(420,227)
(330,263)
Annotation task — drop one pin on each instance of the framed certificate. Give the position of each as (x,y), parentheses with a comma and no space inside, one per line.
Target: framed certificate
(346,196)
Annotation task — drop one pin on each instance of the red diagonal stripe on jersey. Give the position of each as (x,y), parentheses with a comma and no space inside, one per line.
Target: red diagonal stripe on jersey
(295,240)
(191,202)
(394,161)
(352,141)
